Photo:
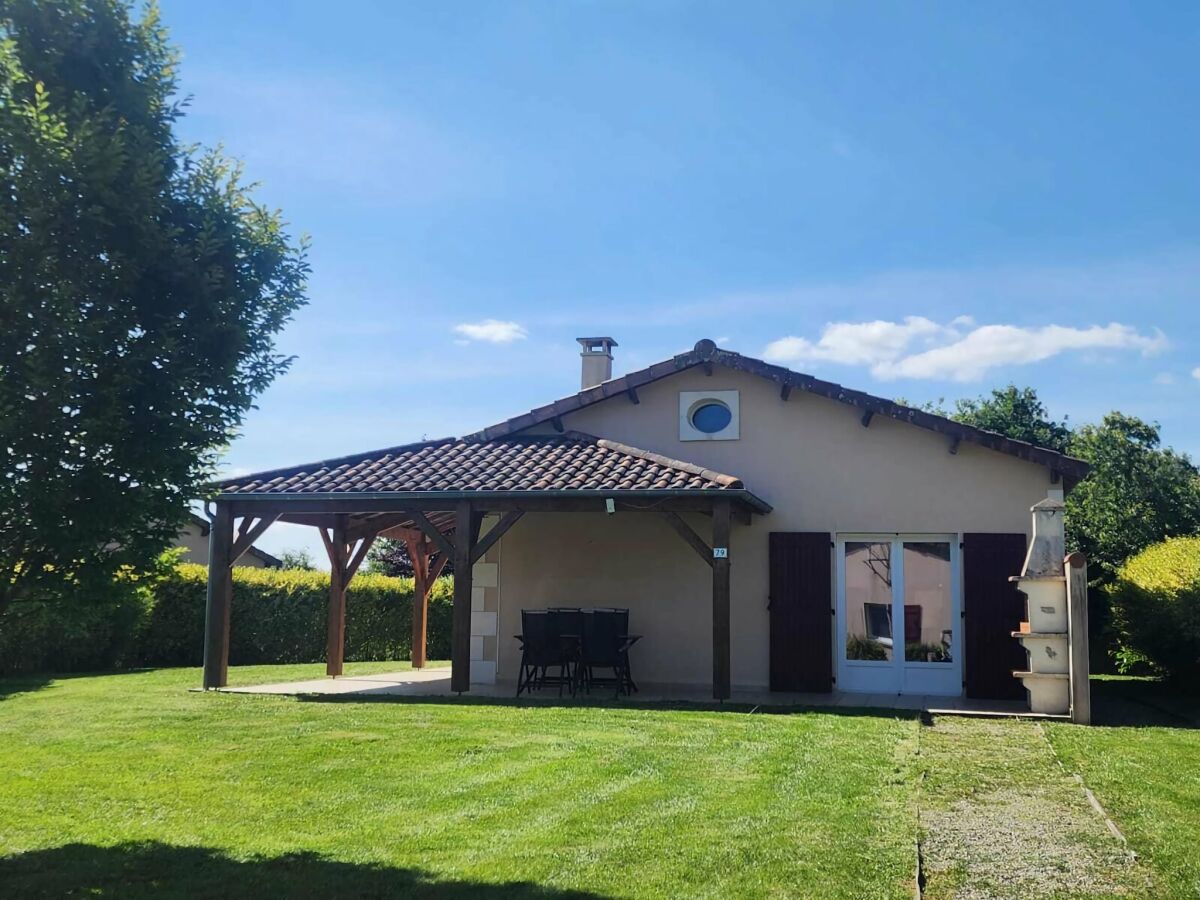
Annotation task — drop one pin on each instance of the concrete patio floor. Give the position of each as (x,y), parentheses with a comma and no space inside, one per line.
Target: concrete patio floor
(435,682)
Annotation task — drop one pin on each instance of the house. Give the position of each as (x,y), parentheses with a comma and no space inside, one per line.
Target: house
(194,540)
(764,527)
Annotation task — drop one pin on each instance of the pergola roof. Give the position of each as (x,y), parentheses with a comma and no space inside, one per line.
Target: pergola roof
(568,464)
(434,496)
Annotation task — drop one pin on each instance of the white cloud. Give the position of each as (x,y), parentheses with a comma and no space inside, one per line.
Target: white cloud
(857,343)
(491,330)
(1164,378)
(1196,373)
(920,348)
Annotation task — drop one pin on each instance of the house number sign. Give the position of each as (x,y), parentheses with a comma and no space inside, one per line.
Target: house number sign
(720,553)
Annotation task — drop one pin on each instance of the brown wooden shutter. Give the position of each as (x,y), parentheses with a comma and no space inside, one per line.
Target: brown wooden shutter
(801,607)
(993,609)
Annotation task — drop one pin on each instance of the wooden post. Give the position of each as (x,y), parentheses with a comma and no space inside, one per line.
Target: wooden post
(720,599)
(460,637)
(219,599)
(335,630)
(1077,625)
(418,552)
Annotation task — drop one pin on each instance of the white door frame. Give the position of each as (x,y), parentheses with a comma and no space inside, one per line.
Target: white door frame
(897,675)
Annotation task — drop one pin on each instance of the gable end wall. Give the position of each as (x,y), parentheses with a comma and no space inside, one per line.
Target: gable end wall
(809,457)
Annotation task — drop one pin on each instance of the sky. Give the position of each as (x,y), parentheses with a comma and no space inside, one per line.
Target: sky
(920,200)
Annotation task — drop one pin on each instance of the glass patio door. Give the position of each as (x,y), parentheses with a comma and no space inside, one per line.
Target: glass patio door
(898,602)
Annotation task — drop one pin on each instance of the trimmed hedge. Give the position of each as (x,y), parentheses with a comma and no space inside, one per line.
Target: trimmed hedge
(1156,609)
(278,617)
(86,636)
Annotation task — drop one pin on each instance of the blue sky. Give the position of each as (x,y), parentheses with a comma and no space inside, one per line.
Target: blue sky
(919,200)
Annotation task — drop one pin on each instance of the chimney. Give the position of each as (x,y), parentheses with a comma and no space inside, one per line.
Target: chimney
(597,360)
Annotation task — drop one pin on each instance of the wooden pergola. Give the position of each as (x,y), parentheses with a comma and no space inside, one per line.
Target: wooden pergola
(443,524)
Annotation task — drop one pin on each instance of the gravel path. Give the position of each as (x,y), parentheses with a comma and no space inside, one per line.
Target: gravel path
(1000,817)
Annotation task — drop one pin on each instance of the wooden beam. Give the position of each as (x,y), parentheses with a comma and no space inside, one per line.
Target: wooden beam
(690,537)
(1055,476)
(954,442)
(460,636)
(439,540)
(402,533)
(866,418)
(632,394)
(418,552)
(720,600)
(330,506)
(1077,625)
(247,536)
(557,424)
(785,391)
(360,554)
(335,625)
(219,600)
(375,526)
(708,367)
(507,521)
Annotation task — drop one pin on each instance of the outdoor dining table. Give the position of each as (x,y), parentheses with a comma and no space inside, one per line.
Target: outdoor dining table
(598,639)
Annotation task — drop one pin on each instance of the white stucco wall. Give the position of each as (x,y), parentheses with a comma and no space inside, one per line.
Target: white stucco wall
(809,457)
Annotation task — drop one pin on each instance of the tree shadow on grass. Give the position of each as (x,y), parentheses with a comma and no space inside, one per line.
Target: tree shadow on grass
(161,870)
(22,684)
(1143,702)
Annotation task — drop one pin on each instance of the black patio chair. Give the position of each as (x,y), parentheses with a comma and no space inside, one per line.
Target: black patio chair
(606,643)
(543,648)
(566,624)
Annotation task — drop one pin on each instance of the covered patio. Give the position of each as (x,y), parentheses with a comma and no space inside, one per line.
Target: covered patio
(434,496)
(433,683)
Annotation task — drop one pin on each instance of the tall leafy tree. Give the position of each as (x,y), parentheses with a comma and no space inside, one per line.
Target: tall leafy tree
(1137,494)
(390,557)
(141,289)
(1016,413)
(297,559)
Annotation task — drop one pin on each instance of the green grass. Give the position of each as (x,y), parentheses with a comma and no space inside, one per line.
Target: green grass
(1144,765)
(1001,818)
(130,785)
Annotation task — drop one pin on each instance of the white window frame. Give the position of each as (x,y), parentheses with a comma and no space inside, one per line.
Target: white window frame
(689,401)
(897,675)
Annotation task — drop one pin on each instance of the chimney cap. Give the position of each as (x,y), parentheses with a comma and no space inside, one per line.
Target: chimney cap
(596,344)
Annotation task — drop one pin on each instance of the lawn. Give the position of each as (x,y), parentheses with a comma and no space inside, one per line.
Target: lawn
(129,785)
(1145,766)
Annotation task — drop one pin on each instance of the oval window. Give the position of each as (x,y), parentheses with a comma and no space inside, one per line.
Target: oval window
(711,416)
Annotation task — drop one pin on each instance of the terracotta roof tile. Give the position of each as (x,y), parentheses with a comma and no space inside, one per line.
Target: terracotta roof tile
(569,461)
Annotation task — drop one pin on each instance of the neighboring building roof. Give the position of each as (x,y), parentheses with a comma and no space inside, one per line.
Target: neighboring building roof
(271,562)
(707,354)
(568,463)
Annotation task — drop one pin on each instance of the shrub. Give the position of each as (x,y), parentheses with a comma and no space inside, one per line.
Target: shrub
(278,616)
(81,636)
(1156,609)
(87,632)
(864,648)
